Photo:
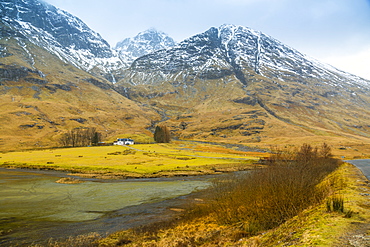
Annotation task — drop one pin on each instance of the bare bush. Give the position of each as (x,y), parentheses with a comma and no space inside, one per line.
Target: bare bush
(80,137)
(265,198)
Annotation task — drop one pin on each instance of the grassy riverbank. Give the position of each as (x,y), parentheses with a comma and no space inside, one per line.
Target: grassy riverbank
(314,226)
(144,160)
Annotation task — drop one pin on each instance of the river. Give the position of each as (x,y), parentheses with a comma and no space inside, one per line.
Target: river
(34,208)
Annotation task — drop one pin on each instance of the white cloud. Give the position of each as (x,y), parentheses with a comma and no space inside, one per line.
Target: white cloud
(357,63)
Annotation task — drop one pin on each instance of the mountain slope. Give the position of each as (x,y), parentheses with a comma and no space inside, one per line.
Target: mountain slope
(246,81)
(61,34)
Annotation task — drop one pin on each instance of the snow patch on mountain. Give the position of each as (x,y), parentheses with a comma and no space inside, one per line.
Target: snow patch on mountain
(212,54)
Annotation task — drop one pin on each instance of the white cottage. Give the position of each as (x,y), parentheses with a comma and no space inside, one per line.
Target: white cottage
(124,141)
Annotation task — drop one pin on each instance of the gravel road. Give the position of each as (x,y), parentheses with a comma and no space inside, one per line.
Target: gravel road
(363,165)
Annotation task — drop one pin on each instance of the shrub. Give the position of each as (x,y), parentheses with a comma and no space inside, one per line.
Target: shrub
(348,214)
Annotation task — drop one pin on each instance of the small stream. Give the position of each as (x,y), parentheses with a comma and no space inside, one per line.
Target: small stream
(34,208)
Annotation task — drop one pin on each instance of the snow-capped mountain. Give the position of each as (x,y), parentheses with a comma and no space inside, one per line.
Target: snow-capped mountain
(231,49)
(60,33)
(142,44)
(237,64)
(51,78)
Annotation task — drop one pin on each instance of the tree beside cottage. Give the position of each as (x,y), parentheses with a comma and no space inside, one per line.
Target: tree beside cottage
(162,134)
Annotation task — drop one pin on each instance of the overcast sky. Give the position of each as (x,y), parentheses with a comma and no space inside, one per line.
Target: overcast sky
(333,31)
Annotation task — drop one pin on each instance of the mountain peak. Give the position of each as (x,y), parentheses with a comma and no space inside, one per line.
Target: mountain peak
(33,16)
(143,43)
(233,27)
(239,29)
(150,35)
(153,31)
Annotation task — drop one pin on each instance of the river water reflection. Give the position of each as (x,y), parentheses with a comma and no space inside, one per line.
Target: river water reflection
(33,207)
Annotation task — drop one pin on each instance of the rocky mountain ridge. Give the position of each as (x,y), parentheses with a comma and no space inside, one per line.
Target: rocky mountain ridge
(53,79)
(61,33)
(237,47)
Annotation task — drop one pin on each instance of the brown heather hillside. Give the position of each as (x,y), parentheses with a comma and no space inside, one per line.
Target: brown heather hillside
(36,110)
(219,110)
(42,97)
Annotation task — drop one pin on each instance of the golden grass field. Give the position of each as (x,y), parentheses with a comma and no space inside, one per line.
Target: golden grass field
(143,160)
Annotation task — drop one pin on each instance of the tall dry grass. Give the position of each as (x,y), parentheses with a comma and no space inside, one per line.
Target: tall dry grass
(266,197)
